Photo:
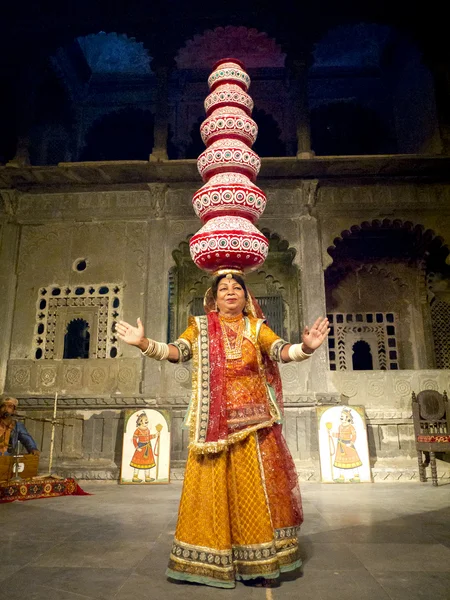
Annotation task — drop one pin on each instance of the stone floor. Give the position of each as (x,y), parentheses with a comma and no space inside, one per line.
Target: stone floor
(364,542)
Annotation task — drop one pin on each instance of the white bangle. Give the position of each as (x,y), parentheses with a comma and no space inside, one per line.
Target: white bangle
(296,353)
(156,350)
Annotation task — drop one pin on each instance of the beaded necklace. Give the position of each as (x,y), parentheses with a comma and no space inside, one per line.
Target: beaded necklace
(233,347)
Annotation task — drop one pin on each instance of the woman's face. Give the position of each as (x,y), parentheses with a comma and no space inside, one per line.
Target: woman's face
(230,297)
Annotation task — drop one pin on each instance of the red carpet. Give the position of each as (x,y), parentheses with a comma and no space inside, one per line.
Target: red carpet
(45,487)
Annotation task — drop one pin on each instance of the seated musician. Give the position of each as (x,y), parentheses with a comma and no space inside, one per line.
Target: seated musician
(12,430)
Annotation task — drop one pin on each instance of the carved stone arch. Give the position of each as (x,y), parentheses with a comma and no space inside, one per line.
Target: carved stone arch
(350,282)
(393,256)
(278,245)
(102,50)
(271,283)
(78,59)
(425,246)
(255,48)
(337,44)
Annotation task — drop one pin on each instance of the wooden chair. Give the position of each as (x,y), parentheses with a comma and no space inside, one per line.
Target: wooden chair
(431,416)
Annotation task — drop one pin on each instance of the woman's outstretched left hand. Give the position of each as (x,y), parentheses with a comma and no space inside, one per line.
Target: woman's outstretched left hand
(313,337)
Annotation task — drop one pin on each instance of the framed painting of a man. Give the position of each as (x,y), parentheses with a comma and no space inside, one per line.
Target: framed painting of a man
(343,447)
(146,447)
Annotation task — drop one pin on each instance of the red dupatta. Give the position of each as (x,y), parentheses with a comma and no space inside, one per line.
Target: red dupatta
(217,424)
(217,429)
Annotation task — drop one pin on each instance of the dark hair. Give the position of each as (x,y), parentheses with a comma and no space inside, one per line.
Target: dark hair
(219,278)
(140,417)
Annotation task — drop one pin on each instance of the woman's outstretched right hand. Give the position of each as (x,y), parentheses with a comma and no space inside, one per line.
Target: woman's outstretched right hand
(131,335)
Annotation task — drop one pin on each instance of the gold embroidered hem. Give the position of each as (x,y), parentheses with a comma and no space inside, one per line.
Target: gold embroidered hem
(225,530)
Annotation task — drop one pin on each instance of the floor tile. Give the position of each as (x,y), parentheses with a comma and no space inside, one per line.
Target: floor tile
(415,586)
(403,557)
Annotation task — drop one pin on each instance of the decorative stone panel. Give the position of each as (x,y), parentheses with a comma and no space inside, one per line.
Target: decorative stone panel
(98,377)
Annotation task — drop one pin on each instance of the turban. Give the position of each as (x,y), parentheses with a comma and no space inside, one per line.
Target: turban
(11,400)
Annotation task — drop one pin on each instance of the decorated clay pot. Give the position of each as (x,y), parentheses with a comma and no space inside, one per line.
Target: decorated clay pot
(229,70)
(229,203)
(228,155)
(228,94)
(229,193)
(229,242)
(229,122)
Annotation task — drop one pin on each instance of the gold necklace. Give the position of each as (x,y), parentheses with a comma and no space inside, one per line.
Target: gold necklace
(236,324)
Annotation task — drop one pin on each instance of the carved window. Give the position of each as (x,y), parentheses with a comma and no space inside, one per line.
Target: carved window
(440,315)
(365,341)
(67,315)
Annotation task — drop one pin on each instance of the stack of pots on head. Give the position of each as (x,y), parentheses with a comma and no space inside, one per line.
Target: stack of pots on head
(229,203)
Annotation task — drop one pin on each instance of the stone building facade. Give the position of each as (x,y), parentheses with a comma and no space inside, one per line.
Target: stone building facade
(96,215)
(74,248)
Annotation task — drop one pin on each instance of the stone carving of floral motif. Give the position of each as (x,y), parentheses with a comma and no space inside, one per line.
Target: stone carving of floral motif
(125,375)
(182,375)
(375,387)
(48,376)
(349,388)
(21,376)
(73,376)
(98,375)
(402,387)
(429,384)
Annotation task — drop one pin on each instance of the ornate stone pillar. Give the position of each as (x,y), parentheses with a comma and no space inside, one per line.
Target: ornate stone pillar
(9,243)
(156,293)
(299,69)
(424,331)
(313,283)
(161,127)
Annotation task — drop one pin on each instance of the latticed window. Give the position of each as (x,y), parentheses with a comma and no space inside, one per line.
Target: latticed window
(197,307)
(440,315)
(273,308)
(363,341)
(77,322)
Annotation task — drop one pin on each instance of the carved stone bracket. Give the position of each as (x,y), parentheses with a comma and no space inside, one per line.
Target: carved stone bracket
(10,200)
(310,189)
(158,195)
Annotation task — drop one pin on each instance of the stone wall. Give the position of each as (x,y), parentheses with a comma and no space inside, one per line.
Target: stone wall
(127,234)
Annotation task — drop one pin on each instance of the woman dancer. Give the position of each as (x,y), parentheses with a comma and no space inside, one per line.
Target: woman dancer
(240,509)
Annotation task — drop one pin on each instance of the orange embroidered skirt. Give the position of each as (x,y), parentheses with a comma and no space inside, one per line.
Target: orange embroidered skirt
(239,515)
